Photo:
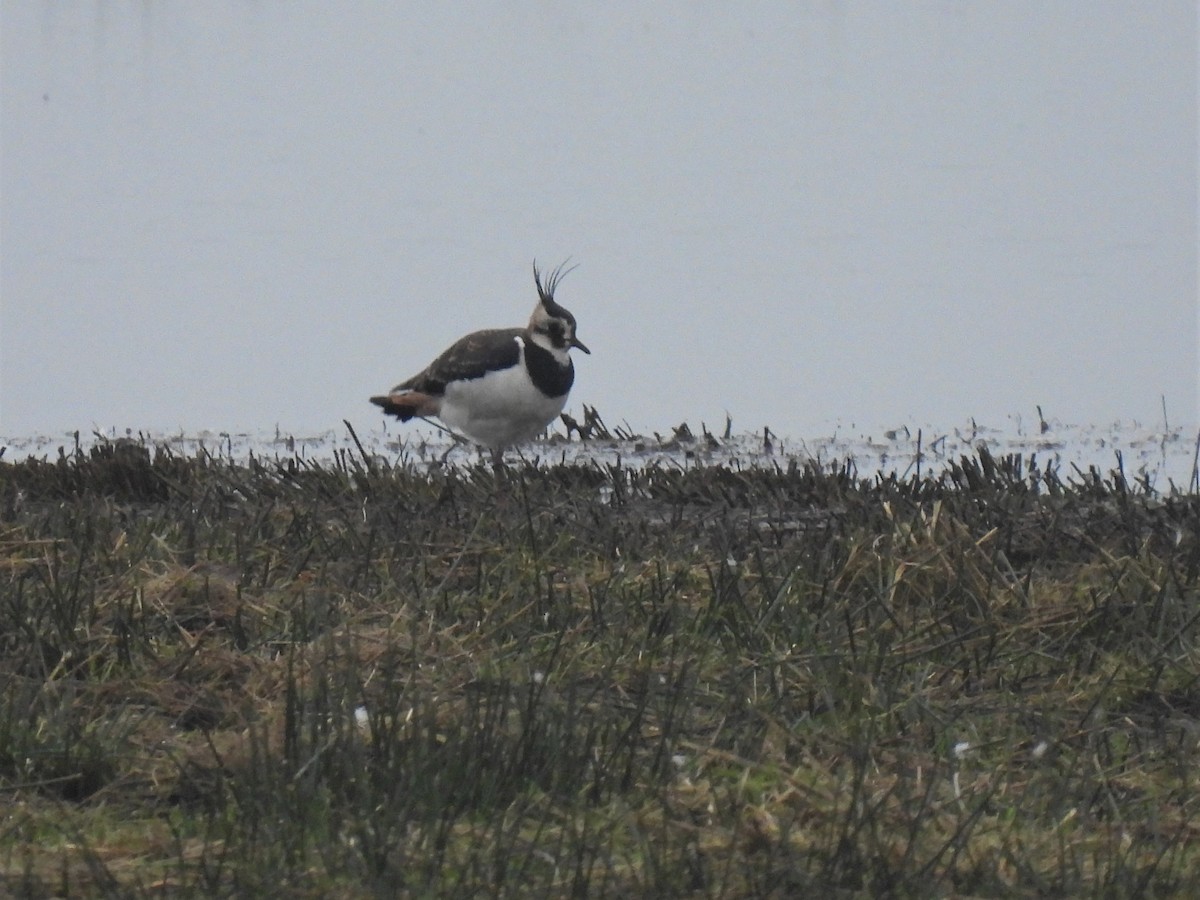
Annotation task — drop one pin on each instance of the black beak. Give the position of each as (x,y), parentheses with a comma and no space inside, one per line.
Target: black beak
(576,342)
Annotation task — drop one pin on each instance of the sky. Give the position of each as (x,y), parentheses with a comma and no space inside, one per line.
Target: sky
(231,215)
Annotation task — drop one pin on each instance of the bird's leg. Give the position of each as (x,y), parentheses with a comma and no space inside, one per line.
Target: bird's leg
(457,438)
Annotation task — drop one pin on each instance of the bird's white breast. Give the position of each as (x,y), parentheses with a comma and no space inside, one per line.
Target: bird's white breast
(501,408)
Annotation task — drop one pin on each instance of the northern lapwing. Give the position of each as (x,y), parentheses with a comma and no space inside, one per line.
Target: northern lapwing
(501,386)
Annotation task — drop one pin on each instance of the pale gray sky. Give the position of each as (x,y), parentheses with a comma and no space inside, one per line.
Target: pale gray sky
(234,215)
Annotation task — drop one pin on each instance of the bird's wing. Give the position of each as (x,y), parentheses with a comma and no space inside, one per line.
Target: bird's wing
(468,357)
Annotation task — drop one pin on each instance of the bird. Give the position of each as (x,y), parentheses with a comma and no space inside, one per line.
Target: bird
(501,386)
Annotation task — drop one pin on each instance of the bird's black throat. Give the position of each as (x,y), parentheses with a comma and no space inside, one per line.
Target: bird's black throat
(548,375)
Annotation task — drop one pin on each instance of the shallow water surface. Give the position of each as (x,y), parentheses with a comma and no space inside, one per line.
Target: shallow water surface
(1163,459)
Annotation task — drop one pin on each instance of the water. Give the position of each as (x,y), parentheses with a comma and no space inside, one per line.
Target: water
(1166,460)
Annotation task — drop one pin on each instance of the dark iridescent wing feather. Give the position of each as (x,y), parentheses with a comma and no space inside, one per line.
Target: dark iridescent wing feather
(469,357)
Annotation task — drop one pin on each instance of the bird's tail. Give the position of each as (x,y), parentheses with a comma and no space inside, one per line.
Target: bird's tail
(404,405)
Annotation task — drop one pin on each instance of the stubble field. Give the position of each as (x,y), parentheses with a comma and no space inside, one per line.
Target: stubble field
(358,678)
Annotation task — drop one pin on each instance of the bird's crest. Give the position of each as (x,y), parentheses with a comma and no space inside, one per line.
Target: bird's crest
(546,291)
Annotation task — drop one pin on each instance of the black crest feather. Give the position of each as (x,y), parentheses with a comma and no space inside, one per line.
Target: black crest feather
(546,292)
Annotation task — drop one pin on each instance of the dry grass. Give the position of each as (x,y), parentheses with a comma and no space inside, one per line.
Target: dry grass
(342,680)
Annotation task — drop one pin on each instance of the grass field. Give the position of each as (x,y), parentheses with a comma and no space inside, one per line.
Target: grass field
(351,679)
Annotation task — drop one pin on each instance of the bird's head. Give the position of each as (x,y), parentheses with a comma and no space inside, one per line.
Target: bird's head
(551,324)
